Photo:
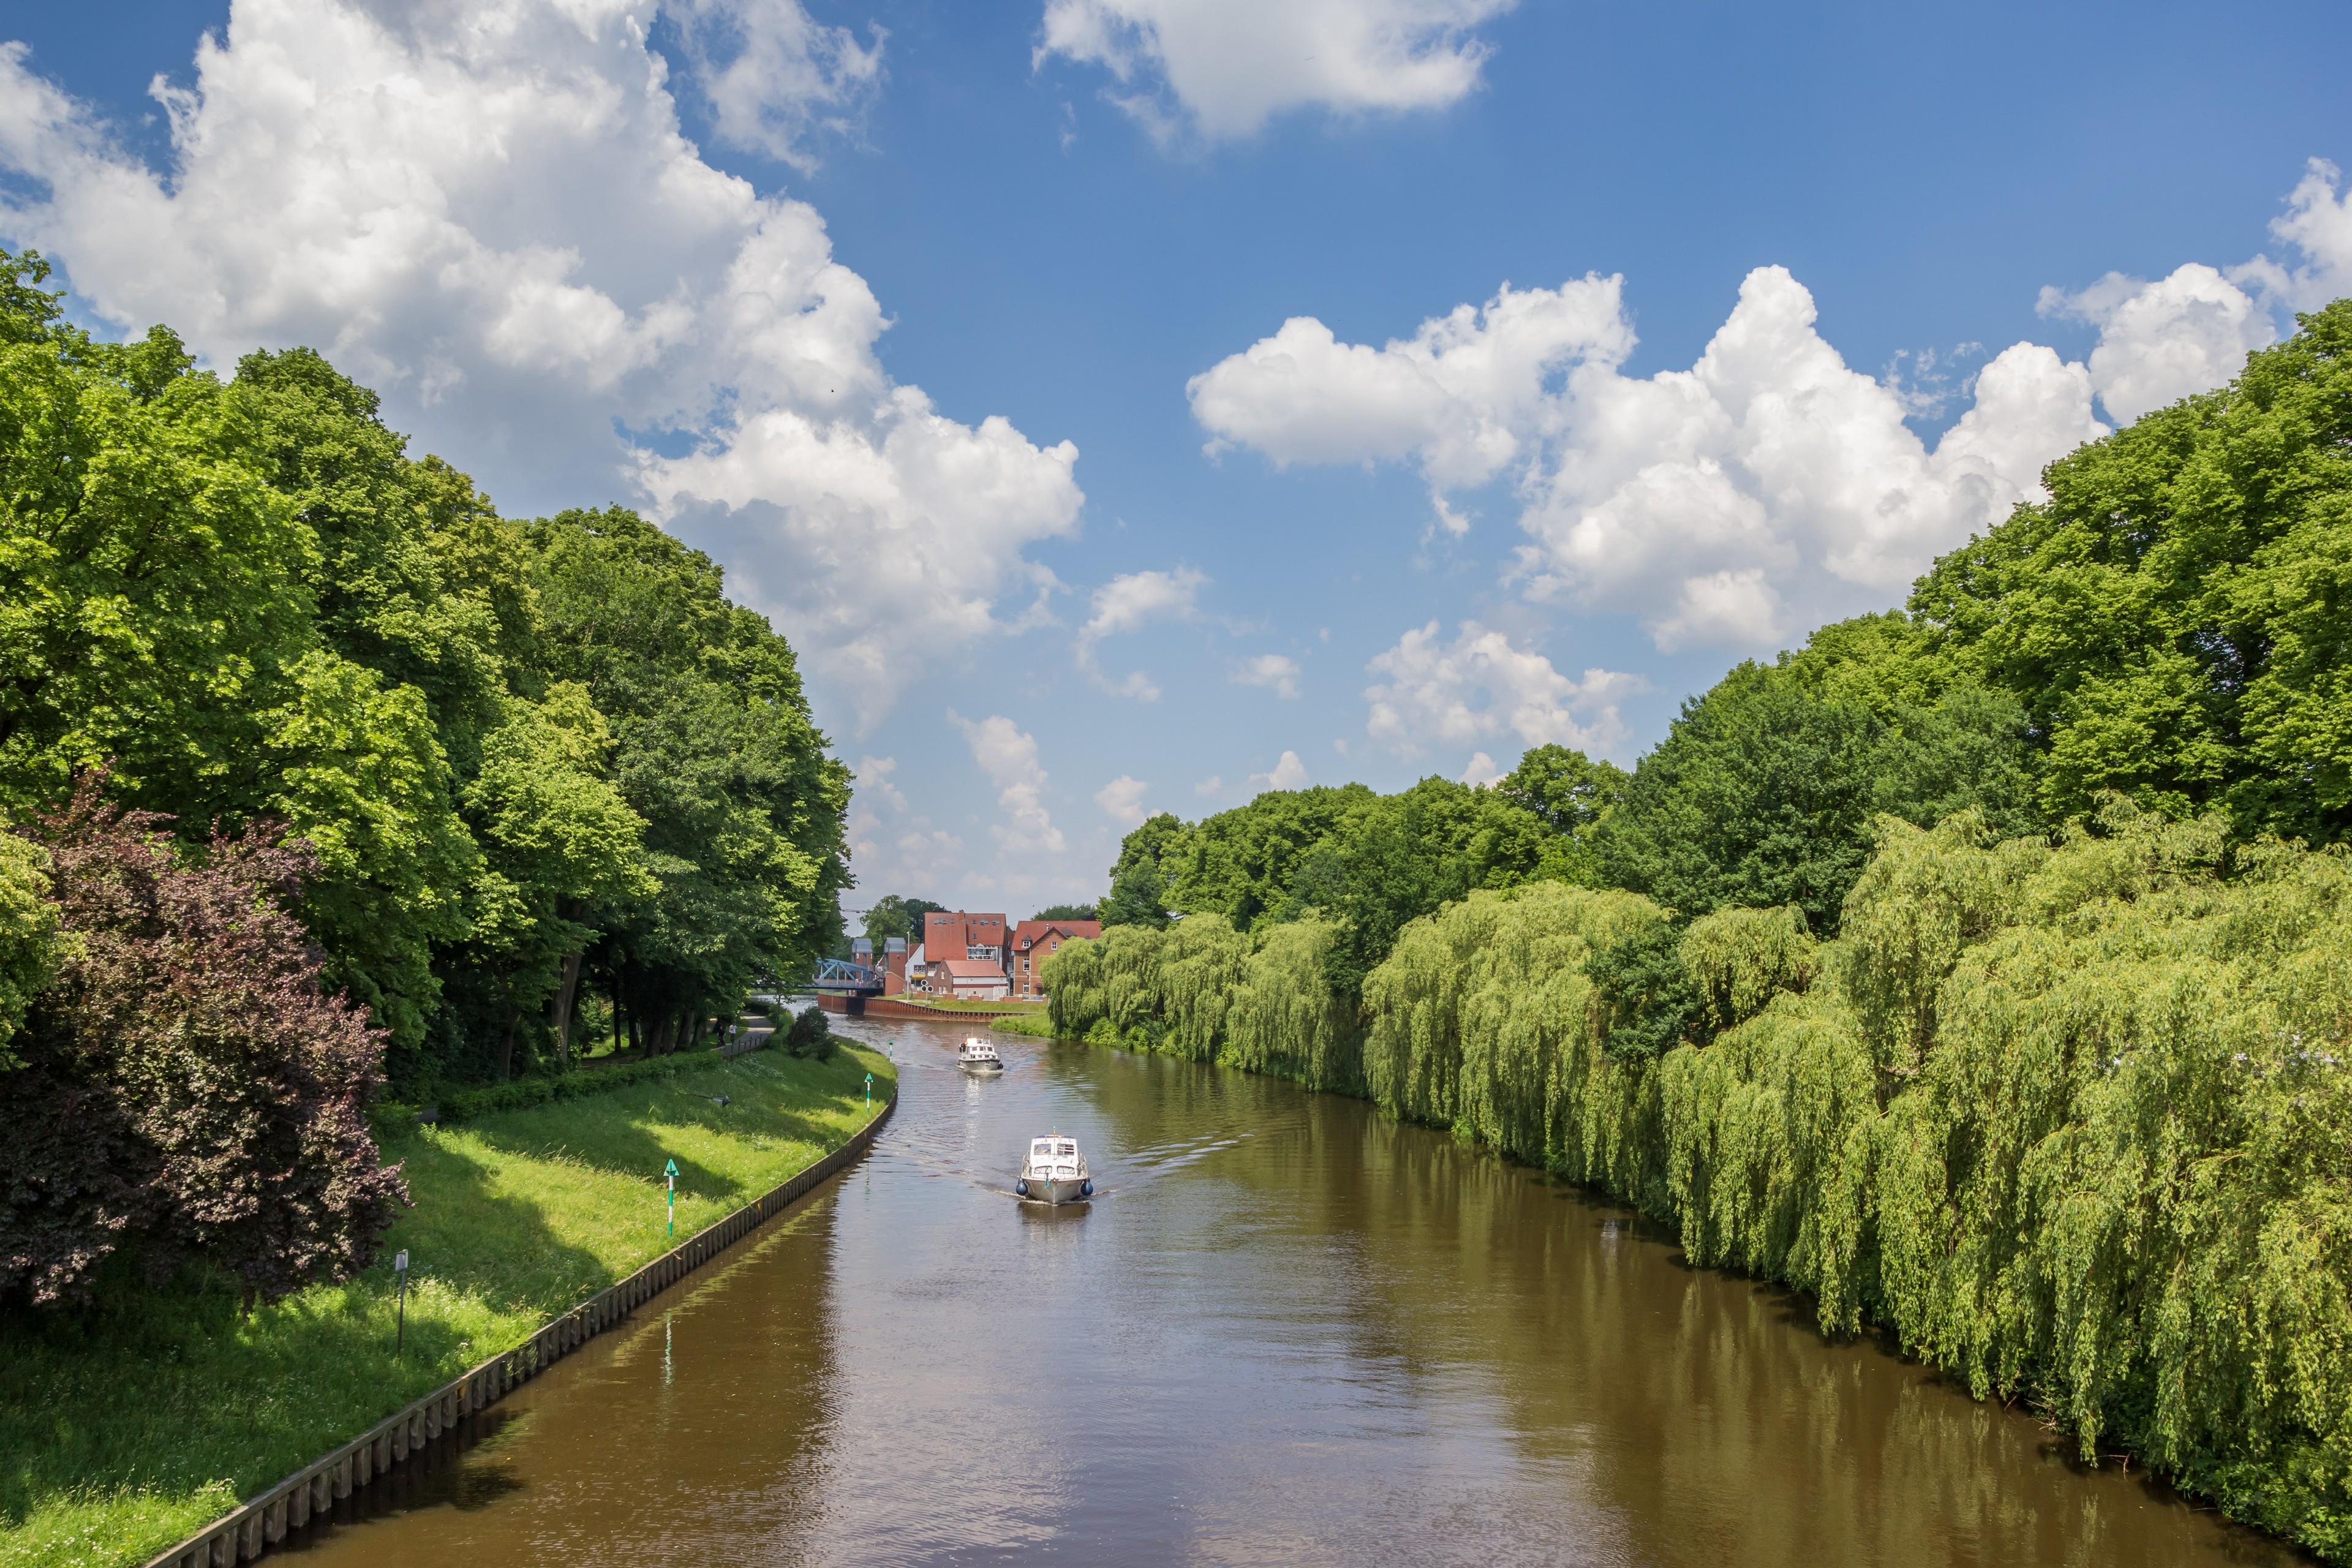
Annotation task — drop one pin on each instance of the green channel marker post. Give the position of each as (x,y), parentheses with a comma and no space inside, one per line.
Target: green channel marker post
(869,1091)
(400,1272)
(672,1173)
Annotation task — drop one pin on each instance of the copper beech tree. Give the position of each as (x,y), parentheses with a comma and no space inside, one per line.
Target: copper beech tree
(186,1090)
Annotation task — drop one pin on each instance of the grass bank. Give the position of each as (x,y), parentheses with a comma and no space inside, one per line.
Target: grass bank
(126,1427)
(953,1004)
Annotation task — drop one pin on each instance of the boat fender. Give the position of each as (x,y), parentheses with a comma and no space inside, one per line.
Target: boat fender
(1085,1189)
(1021,1188)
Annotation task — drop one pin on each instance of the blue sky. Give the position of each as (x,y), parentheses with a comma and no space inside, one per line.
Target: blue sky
(959,332)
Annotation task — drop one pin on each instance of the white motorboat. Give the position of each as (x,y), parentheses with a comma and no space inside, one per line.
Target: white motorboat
(1055,1173)
(977,1056)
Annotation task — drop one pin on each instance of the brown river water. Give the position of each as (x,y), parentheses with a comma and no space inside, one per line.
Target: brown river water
(1285,1331)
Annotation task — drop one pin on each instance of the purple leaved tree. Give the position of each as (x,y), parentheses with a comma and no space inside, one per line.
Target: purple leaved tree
(190,1091)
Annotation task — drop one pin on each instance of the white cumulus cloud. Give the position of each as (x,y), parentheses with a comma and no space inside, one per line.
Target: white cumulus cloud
(1771,486)
(1008,755)
(491,214)
(1221,68)
(1276,672)
(2161,342)
(1482,770)
(1766,488)
(1463,398)
(1480,686)
(2318,223)
(1123,800)
(874,778)
(2192,329)
(773,75)
(1288,773)
(1130,602)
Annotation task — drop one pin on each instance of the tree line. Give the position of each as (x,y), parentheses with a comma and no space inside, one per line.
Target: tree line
(443,776)
(1983,968)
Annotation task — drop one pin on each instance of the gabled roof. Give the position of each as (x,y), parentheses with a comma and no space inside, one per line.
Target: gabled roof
(970,969)
(1029,933)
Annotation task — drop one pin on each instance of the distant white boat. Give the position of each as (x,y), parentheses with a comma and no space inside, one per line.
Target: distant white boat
(977,1056)
(1055,1171)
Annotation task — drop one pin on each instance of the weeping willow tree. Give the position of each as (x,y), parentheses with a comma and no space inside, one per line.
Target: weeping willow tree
(2120,1182)
(1286,1018)
(1484,1019)
(2067,1116)
(1201,990)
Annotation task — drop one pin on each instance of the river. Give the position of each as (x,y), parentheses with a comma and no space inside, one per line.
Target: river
(1286,1331)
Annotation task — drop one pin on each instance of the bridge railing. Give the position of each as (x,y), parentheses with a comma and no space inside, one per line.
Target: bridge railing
(840,974)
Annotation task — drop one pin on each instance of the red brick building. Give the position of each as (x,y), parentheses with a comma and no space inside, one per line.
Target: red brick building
(960,937)
(1034,941)
(962,953)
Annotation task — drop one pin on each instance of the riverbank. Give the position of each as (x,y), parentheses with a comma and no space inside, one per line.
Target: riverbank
(125,1429)
(1340,1326)
(2073,1152)
(902,1006)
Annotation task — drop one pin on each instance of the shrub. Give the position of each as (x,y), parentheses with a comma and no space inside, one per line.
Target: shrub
(189,1090)
(810,1036)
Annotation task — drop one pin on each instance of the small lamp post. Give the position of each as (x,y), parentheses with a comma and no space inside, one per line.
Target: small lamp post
(400,1273)
(672,1175)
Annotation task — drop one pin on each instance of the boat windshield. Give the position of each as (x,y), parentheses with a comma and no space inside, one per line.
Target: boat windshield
(1067,1149)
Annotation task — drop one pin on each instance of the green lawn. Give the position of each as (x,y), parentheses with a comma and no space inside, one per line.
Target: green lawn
(125,1429)
(951,1005)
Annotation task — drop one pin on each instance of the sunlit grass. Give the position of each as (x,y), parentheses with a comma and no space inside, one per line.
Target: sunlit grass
(126,1427)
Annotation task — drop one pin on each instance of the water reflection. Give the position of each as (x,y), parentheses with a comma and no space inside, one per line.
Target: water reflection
(1285,1331)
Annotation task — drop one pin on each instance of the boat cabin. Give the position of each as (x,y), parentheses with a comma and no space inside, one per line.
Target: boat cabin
(1051,1154)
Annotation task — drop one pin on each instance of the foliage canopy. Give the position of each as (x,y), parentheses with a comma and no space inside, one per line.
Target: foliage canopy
(517,753)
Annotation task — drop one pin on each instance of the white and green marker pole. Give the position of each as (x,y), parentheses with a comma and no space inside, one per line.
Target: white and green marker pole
(869,1091)
(400,1272)
(672,1174)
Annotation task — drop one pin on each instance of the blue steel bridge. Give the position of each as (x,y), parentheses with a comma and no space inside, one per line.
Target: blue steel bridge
(839,977)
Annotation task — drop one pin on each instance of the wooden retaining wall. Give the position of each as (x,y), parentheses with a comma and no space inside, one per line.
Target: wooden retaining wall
(892,1007)
(261,1522)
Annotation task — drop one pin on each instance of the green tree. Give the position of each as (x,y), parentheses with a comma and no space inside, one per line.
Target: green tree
(1404,856)
(892,915)
(1764,791)
(2176,618)
(413,574)
(1241,863)
(714,749)
(1066,913)
(563,852)
(29,934)
(1568,793)
(1137,897)
(1138,884)
(157,615)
